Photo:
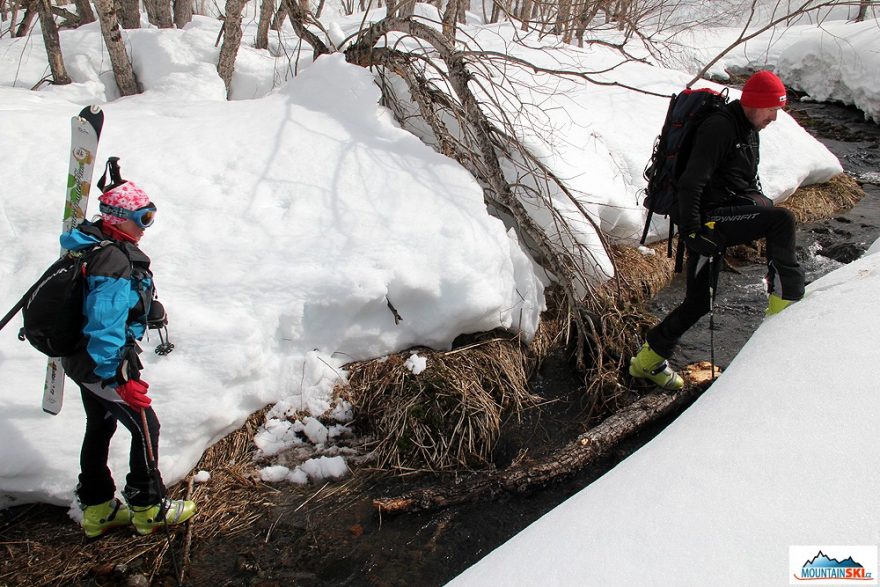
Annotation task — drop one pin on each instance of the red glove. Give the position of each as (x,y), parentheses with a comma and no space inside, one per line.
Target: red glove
(134,393)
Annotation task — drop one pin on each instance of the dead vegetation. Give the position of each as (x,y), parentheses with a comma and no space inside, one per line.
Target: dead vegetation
(814,202)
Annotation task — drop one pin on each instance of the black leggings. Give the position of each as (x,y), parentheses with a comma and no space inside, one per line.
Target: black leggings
(143,487)
(738,225)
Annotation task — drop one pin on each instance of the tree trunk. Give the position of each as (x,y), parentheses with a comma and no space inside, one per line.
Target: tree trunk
(585,17)
(267,8)
(231,42)
(297,21)
(462,11)
(85,12)
(27,21)
(563,25)
(122,71)
(159,13)
(450,18)
(183,12)
(406,8)
(863,10)
(130,13)
(53,44)
(280,15)
(526,14)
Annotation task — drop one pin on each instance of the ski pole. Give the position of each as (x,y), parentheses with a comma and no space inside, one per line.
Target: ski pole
(154,470)
(712,318)
(714,268)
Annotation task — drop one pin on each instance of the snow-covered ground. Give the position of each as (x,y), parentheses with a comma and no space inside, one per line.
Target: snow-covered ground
(292,215)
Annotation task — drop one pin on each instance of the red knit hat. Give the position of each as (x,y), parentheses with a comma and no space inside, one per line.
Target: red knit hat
(763,90)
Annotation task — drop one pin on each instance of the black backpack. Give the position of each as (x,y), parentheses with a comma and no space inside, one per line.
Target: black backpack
(52,308)
(671,151)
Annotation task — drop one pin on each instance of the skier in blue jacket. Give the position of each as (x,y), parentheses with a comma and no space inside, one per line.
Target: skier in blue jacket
(106,367)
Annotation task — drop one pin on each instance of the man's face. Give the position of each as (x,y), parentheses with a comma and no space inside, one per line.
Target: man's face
(761,117)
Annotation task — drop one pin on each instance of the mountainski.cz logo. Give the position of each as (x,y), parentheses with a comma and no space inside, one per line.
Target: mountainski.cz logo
(833,565)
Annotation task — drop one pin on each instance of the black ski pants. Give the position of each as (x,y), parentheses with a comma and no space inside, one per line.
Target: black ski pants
(143,486)
(738,225)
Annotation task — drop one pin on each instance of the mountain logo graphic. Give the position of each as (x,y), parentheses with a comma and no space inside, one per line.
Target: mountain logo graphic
(823,567)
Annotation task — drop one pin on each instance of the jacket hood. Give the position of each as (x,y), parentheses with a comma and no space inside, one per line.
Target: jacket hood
(84,236)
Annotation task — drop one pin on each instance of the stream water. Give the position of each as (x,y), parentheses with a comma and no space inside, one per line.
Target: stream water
(338,539)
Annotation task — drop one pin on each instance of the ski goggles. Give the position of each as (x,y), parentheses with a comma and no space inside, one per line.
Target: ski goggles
(143,217)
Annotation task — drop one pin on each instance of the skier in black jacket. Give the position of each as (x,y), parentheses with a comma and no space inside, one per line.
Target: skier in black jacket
(720,203)
(118,299)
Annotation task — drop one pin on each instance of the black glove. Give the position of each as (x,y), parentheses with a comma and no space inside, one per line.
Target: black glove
(704,241)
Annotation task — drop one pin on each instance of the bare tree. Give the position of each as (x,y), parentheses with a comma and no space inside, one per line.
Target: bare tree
(122,70)
(130,13)
(183,12)
(159,13)
(53,45)
(30,15)
(84,10)
(863,10)
(281,15)
(231,41)
(267,9)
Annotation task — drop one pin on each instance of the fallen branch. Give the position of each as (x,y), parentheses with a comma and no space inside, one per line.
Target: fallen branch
(528,475)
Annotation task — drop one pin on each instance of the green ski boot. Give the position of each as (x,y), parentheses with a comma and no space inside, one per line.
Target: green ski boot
(775,304)
(148,519)
(98,519)
(649,365)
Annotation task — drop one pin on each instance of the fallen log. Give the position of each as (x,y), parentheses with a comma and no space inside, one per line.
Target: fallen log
(584,450)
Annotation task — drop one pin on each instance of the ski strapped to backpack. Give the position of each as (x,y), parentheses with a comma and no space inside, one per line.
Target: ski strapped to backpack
(672,149)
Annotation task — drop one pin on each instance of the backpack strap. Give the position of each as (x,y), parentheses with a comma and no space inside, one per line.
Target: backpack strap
(17,307)
(679,254)
(647,227)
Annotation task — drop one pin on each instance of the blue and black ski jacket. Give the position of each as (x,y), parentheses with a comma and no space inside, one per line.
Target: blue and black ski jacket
(119,290)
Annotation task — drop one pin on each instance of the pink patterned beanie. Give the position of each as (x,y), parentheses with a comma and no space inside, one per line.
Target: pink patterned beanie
(126,196)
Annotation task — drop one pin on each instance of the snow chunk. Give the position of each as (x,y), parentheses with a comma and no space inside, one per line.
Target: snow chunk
(416,364)
(274,473)
(276,436)
(325,468)
(201,477)
(315,431)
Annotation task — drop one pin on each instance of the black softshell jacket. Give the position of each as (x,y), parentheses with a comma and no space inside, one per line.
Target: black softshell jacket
(723,164)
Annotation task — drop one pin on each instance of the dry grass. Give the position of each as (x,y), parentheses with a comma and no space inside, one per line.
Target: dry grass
(449,415)
(43,547)
(815,202)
